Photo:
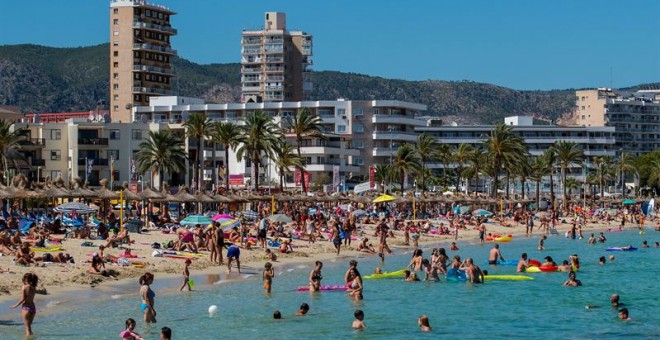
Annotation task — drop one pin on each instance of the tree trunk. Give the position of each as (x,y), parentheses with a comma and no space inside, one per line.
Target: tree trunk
(522,186)
(200,162)
(423,175)
(538,194)
(563,185)
(215,168)
(281,179)
(496,169)
(552,190)
(256,163)
(508,182)
(226,168)
(302,169)
(403,180)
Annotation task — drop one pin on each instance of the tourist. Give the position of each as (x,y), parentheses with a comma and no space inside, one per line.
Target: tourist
(366,247)
(423,323)
(656,245)
(358,323)
(147,296)
(453,247)
(335,237)
(623,314)
(315,277)
(233,253)
(440,262)
(165,333)
(28,308)
(645,244)
(96,265)
(592,239)
(614,301)
(565,267)
(416,261)
(572,281)
(268,275)
(128,333)
(548,262)
(473,272)
(270,256)
(277,315)
(304,308)
(186,275)
(494,255)
(263,228)
(541,241)
(601,260)
(456,263)
(429,272)
(601,238)
(522,263)
(482,233)
(529,226)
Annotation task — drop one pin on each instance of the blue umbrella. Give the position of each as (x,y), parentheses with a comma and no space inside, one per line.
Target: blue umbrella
(481,212)
(195,220)
(74,207)
(250,215)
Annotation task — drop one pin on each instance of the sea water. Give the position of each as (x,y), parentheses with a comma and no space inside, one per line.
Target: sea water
(541,308)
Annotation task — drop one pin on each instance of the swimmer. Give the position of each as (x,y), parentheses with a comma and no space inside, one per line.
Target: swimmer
(473,272)
(378,271)
(268,275)
(304,308)
(494,255)
(453,247)
(233,253)
(315,277)
(28,308)
(358,323)
(572,281)
(423,323)
(522,263)
(656,245)
(165,333)
(186,275)
(623,314)
(592,239)
(277,315)
(565,267)
(614,300)
(601,260)
(611,258)
(548,262)
(541,242)
(645,244)
(147,296)
(128,333)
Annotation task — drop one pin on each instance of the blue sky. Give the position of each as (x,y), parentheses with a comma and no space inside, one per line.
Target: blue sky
(523,44)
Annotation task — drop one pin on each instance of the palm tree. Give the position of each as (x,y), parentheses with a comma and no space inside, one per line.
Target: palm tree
(285,158)
(624,164)
(427,151)
(9,144)
(604,171)
(405,162)
(539,168)
(572,184)
(383,174)
(568,154)
(229,135)
(654,172)
(522,170)
(259,135)
(550,157)
(477,161)
(198,126)
(461,156)
(304,124)
(444,154)
(161,152)
(504,147)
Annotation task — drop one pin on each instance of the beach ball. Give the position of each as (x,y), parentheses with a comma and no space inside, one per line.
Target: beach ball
(213,309)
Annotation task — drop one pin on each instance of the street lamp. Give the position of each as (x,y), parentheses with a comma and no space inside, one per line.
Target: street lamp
(38,173)
(141,181)
(390,128)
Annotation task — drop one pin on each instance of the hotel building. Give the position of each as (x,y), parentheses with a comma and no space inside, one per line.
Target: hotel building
(275,62)
(140,55)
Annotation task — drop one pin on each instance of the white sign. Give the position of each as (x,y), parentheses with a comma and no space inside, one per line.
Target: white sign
(362,187)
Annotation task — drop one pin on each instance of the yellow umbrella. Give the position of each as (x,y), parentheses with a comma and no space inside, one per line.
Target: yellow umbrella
(384,198)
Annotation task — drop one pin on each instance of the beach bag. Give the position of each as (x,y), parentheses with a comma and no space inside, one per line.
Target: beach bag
(155,245)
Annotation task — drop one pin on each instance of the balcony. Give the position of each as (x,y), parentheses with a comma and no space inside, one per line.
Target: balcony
(32,142)
(248,70)
(154,27)
(92,141)
(97,161)
(250,51)
(151,90)
(274,79)
(153,69)
(251,60)
(274,97)
(275,87)
(384,151)
(395,136)
(397,119)
(37,162)
(251,41)
(272,59)
(274,69)
(251,88)
(155,48)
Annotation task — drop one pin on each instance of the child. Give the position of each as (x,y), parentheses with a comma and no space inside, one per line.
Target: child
(358,323)
(165,333)
(423,323)
(28,309)
(128,333)
(268,275)
(453,247)
(304,308)
(277,315)
(186,275)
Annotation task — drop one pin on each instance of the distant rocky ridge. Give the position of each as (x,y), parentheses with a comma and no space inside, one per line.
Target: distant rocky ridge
(47,79)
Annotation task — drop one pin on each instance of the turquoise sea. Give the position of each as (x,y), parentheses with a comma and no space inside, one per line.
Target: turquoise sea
(541,308)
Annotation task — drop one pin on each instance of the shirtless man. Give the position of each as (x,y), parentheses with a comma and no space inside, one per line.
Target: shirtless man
(473,272)
(541,241)
(494,255)
(482,233)
(522,263)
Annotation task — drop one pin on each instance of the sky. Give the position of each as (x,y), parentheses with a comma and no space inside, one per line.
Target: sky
(522,44)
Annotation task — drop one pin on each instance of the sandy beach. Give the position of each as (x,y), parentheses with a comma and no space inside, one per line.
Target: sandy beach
(56,277)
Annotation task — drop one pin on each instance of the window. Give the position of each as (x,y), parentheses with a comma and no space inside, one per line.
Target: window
(115,108)
(582,107)
(113,154)
(115,64)
(115,86)
(115,134)
(114,11)
(376,111)
(341,128)
(55,155)
(115,21)
(56,134)
(115,97)
(358,144)
(115,33)
(137,134)
(115,43)
(358,112)
(358,128)
(115,53)
(358,161)
(115,76)
(341,112)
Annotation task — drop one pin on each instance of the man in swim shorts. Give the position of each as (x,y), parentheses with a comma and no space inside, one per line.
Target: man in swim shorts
(233,253)
(494,255)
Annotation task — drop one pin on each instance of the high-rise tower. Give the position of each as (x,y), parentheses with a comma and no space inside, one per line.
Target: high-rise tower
(140,55)
(275,62)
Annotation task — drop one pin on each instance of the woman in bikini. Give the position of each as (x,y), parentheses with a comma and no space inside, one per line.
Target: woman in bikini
(268,275)
(315,277)
(147,297)
(28,309)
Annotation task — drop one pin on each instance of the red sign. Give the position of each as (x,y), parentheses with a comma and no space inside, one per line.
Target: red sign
(297,179)
(372,177)
(236,180)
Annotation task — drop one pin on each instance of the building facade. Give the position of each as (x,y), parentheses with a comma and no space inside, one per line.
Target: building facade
(140,55)
(275,62)
(589,106)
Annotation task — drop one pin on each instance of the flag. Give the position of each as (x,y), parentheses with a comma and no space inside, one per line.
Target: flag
(405,181)
(335,176)
(112,168)
(372,177)
(133,168)
(90,162)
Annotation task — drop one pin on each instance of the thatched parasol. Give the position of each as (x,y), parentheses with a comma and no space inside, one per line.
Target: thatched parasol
(56,189)
(203,198)
(128,195)
(184,196)
(222,199)
(361,199)
(148,194)
(104,193)
(236,199)
(78,190)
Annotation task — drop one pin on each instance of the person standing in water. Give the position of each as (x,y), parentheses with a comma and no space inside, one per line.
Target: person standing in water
(268,275)
(315,277)
(522,263)
(28,308)
(147,296)
(186,275)
(494,255)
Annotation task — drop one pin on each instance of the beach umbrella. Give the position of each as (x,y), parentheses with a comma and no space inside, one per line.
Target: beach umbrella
(250,215)
(280,218)
(148,194)
(359,212)
(628,201)
(74,207)
(195,220)
(221,216)
(384,198)
(228,224)
(481,212)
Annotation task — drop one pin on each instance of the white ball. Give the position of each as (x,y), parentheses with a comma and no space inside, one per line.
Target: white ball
(213,309)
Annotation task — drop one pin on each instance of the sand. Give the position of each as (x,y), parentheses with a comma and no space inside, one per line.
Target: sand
(57,277)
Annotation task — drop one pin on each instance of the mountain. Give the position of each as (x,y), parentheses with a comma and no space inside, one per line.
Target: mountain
(47,79)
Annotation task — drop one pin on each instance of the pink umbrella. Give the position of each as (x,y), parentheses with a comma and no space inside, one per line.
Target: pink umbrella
(222,216)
